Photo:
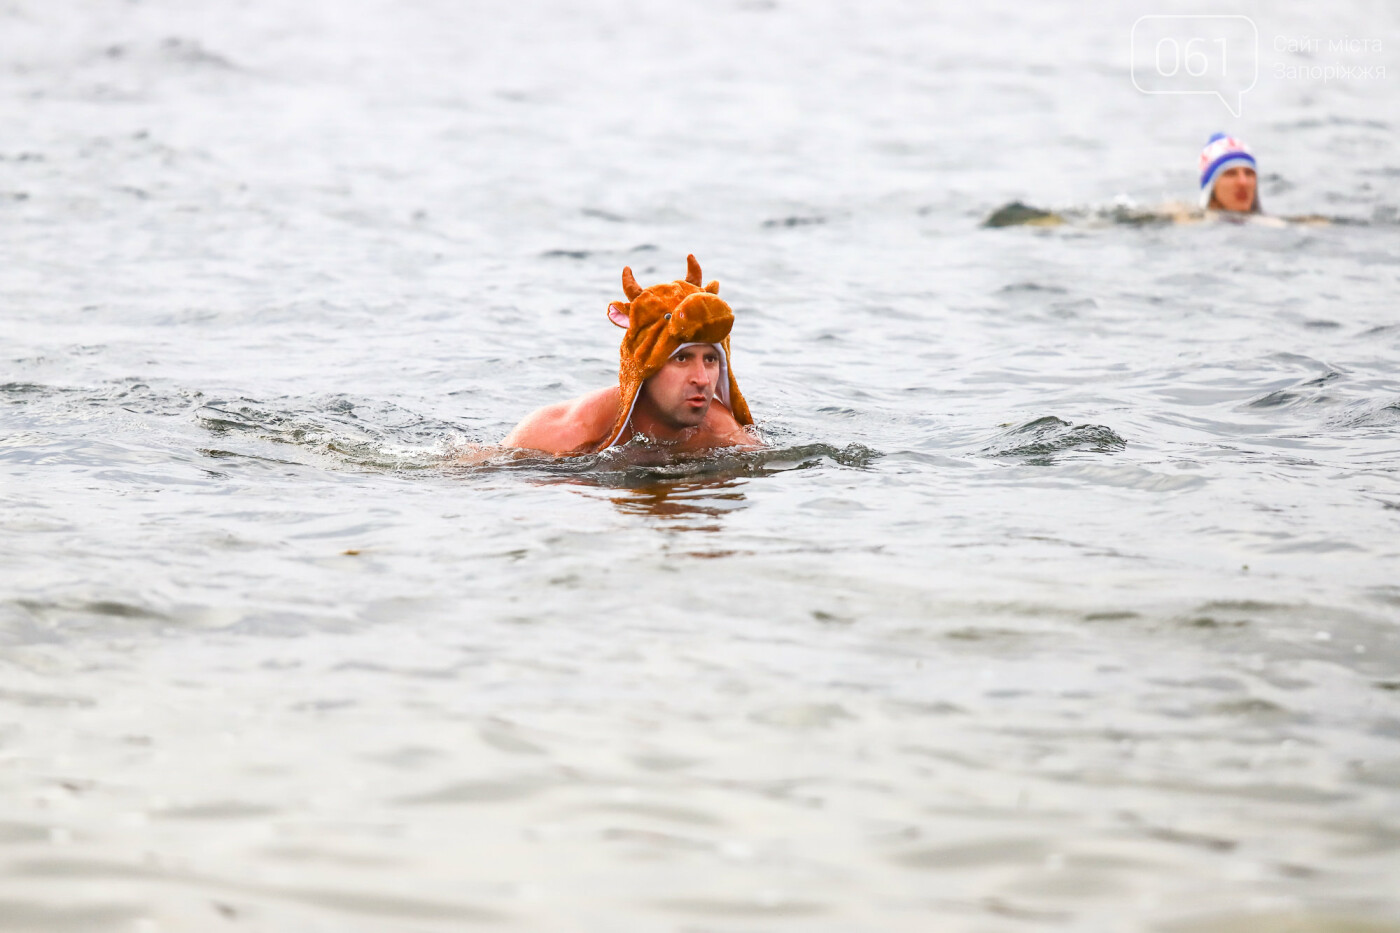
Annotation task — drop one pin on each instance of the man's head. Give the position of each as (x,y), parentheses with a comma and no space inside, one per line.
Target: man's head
(1235,189)
(662,322)
(1228,179)
(679,394)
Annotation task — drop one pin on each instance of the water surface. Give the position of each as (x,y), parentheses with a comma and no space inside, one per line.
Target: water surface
(1064,598)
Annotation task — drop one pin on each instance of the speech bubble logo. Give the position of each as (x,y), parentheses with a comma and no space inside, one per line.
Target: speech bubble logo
(1196,55)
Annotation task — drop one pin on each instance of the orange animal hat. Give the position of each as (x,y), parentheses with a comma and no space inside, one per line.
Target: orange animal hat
(659,321)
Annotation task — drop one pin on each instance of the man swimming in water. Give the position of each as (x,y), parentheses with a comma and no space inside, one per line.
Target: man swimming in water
(675,384)
(1229,181)
(1229,185)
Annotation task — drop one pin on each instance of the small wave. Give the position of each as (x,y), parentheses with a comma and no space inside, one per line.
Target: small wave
(20,392)
(1018,214)
(1017,288)
(1127,476)
(190,52)
(643,462)
(599,213)
(173,51)
(1041,440)
(795,221)
(1371,415)
(128,394)
(1303,393)
(375,435)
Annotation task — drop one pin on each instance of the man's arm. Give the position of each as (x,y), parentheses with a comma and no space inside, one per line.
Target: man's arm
(724,430)
(567,427)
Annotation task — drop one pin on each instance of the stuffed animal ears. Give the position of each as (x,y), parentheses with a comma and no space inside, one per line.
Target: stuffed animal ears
(692,275)
(630,288)
(620,313)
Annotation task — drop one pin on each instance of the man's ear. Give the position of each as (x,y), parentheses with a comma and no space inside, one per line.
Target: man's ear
(620,314)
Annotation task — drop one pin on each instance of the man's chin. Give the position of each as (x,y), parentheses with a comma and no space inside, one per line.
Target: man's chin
(692,418)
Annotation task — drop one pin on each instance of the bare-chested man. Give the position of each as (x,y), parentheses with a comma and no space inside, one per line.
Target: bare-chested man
(675,384)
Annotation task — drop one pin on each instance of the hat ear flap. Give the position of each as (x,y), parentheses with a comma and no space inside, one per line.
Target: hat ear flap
(620,314)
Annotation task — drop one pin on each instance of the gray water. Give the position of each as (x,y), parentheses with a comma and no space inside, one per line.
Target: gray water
(1064,598)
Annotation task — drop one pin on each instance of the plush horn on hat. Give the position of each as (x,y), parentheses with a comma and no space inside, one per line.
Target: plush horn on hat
(630,288)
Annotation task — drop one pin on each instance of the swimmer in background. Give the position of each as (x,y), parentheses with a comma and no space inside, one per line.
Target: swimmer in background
(675,385)
(1229,181)
(1229,191)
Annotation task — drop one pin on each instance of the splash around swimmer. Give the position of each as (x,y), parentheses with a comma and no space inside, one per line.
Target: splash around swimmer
(1229,191)
(676,381)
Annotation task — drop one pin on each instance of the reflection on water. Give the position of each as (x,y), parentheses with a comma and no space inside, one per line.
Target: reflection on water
(713,499)
(659,483)
(638,492)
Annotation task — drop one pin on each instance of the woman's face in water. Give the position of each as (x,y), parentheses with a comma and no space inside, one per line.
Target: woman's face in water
(1234,189)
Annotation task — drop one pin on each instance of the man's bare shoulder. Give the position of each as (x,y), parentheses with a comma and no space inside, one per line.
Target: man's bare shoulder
(722,429)
(567,427)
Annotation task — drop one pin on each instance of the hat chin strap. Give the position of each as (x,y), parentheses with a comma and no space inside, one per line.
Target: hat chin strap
(721,391)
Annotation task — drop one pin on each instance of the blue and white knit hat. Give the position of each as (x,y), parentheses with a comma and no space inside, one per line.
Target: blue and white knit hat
(1220,153)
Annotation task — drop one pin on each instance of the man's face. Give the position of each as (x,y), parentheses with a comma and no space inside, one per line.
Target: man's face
(1234,189)
(679,395)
